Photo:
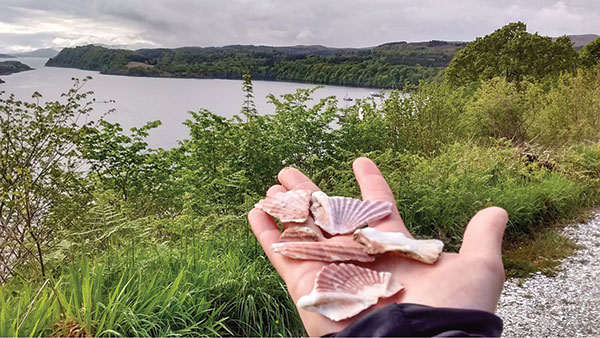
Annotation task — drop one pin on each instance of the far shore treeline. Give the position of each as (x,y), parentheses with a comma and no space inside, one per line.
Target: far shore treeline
(391,65)
(102,235)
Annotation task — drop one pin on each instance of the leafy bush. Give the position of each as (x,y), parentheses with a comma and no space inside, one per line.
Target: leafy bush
(496,110)
(570,111)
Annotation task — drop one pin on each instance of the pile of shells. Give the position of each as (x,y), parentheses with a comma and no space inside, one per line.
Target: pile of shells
(343,290)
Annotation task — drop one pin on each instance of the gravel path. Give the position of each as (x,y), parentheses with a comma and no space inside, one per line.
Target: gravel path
(567,305)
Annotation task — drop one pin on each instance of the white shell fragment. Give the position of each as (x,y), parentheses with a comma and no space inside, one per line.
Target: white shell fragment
(342,215)
(326,251)
(299,234)
(377,242)
(344,290)
(289,206)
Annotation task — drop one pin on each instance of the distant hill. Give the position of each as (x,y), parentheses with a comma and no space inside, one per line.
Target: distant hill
(38,53)
(5,56)
(391,65)
(581,40)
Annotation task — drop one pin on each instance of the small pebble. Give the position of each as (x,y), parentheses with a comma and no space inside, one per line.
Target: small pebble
(567,305)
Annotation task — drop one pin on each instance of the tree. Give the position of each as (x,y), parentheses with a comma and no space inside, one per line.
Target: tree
(40,183)
(590,53)
(123,162)
(512,53)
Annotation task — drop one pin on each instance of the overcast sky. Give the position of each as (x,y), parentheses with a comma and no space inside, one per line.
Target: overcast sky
(30,24)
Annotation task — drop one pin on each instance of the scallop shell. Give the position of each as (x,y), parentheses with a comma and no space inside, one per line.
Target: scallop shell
(342,215)
(344,290)
(289,206)
(377,242)
(326,251)
(299,234)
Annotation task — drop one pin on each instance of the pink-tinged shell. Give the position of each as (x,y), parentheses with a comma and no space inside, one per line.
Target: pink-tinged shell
(299,234)
(377,242)
(344,290)
(342,215)
(326,251)
(289,206)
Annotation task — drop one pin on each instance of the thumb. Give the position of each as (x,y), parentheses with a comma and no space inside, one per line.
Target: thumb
(483,236)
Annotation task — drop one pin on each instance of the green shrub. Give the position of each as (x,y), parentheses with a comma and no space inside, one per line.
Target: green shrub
(438,195)
(570,111)
(496,110)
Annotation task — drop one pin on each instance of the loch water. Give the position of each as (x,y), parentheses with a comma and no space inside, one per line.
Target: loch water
(137,100)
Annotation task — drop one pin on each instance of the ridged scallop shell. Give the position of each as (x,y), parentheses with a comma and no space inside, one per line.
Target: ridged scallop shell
(299,234)
(377,242)
(289,206)
(326,251)
(342,215)
(344,290)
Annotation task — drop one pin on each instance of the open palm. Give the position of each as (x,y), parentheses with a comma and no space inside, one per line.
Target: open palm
(471,279)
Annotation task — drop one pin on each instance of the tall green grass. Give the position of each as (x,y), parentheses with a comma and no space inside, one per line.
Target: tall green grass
(214,288)
(27,310)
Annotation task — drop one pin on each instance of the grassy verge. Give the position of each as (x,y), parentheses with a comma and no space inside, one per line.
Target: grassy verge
(541,251)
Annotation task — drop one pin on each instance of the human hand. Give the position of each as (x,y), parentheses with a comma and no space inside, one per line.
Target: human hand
(470,279)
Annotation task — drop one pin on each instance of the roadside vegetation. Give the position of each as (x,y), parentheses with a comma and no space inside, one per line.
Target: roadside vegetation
(102,235)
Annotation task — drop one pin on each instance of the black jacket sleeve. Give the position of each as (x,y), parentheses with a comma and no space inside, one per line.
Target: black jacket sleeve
(413,320)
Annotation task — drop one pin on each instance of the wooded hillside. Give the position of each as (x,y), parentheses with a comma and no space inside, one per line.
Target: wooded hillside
(391,65)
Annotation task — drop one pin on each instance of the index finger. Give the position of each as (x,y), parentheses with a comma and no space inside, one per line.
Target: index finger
(294,179)
(374,187)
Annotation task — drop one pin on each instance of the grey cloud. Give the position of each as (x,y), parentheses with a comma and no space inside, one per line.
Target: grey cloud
(355,23)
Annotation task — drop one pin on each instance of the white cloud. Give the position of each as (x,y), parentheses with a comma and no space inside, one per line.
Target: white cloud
(305,36)
(19,49)
(558,19)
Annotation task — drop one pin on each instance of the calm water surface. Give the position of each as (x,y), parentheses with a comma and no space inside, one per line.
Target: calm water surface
(141,99)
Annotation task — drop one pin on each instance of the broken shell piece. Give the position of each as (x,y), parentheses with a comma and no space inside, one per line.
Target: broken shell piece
(299,234)
(377,242)
(289,206)
(344,290)
(342,215)
(326,251)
